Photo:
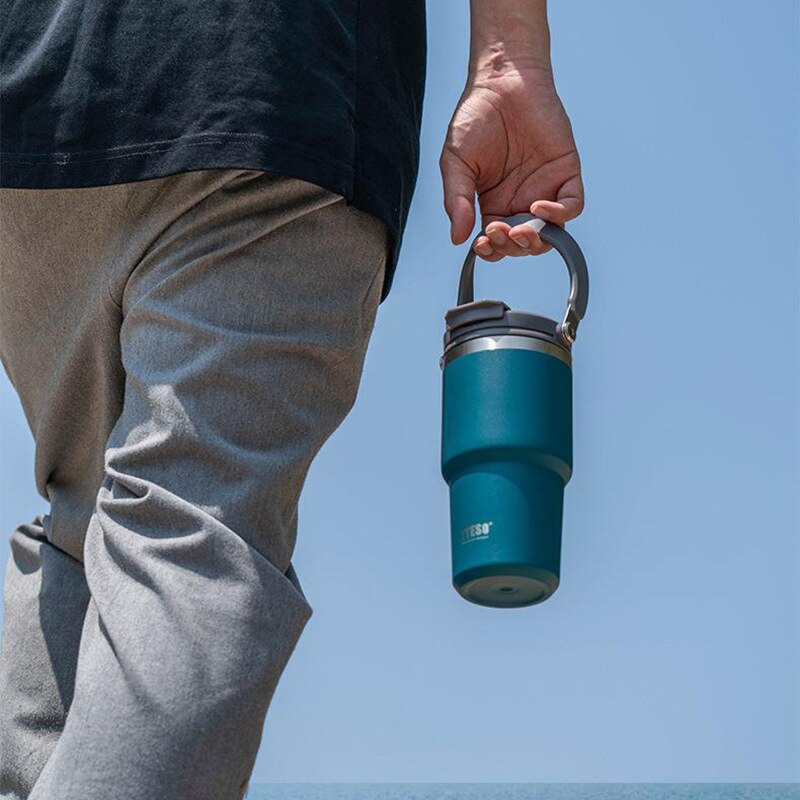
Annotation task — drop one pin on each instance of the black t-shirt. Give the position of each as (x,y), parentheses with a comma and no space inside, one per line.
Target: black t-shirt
(95,92)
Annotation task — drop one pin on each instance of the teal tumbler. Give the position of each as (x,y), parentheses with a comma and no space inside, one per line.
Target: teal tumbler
(507,435)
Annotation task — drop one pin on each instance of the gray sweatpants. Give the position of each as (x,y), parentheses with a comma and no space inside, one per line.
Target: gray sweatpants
(182,347)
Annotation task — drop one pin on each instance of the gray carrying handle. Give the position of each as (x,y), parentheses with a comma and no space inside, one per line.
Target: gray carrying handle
(566,246)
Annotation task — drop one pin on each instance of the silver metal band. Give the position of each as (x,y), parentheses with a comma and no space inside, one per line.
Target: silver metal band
(507,342)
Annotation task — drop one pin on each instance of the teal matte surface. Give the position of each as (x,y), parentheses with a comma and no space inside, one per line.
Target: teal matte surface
(506,454)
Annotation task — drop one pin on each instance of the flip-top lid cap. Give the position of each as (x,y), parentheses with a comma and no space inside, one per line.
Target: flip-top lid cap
(495,318)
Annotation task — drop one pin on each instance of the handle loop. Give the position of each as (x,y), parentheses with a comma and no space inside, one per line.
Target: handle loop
(567,247)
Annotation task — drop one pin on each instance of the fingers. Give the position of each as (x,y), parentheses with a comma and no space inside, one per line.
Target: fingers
(527,237)
(503,240)
(458,183)
(484,248)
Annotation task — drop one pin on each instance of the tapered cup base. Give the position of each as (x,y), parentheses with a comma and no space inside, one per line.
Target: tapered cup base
(506,585)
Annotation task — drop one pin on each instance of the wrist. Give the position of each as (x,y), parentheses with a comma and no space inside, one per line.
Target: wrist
(495,60)
(507,37)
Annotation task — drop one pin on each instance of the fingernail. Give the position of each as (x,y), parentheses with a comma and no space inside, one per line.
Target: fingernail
(484,249)
(522,241)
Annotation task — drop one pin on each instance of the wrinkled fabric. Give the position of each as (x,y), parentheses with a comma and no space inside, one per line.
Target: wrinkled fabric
(182,348)
(94,92)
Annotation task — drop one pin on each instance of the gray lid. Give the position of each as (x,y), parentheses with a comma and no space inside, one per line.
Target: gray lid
(495,318)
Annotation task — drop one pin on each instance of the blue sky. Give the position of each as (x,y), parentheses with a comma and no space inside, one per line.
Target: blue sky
(671,651)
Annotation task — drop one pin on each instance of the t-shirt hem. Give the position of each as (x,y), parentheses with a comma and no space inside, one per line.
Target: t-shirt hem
(161,158)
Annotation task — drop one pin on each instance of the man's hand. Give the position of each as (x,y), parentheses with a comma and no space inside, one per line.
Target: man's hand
(510,141)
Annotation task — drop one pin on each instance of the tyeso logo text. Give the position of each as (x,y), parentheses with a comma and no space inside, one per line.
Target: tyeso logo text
(479,530)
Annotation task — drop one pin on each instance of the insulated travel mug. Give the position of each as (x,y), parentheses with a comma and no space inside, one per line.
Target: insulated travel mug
(507,435)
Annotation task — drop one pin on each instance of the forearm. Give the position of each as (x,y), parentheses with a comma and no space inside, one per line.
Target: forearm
(508,36)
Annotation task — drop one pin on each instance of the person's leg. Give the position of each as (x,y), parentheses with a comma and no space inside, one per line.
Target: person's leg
(58,344)
(243,327)
(45,603)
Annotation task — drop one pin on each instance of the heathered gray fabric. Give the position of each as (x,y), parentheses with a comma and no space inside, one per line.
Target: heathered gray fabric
(182,347)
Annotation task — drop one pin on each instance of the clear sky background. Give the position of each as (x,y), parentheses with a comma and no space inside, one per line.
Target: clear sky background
(671,651)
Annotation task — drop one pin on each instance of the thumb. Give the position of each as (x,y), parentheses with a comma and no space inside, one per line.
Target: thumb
(458,183)
(567,205)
